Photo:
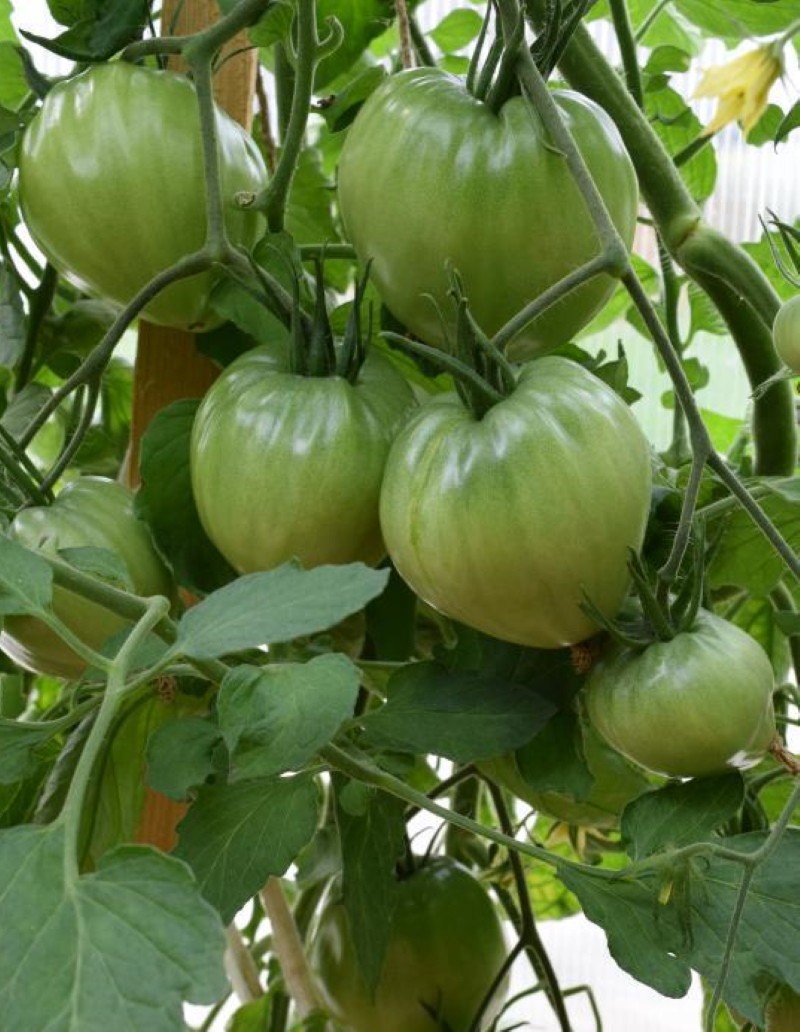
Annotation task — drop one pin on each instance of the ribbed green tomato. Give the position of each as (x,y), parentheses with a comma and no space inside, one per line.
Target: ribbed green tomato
(616,783)
(696,705)
(446,947)
(286,466)
(111,185)
(786,333)
(504,522)
(88,512)
(429,176)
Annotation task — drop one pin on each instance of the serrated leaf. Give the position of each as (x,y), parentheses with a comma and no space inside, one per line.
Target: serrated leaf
(180,755)
(371,843)
(276,718)
(122,947)
(680,814)
(165,501)
(276,606)
(104,31)
(234,837)
(26,581)
(462,715)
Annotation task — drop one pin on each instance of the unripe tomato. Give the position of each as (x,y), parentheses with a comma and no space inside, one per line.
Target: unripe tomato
(431,177)
(286,466)
(504,522)
(696,705)
(111,185)
(89,512)
(786,333)
(445,949)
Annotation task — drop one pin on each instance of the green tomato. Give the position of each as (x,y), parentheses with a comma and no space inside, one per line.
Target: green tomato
(504,522)
(696,705)
(786,333)
(286,466)
(430,177)
(445,948)
(111,186)
(616,783)
(89,512)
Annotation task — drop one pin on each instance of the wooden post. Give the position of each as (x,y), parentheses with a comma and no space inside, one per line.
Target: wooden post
(168,367)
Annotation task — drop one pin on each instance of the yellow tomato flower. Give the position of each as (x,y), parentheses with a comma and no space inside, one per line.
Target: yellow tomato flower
(742,87)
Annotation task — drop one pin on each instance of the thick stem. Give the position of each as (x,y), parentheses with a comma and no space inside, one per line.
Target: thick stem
(41,300)
(627,46)
(288,949)
(241,967)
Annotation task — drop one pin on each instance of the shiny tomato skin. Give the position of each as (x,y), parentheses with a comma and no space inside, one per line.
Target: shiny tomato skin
(286,466)
(697,705)
(445,948)
(88,512)
(786,333)
(431,177)
(502,523)
(111,186)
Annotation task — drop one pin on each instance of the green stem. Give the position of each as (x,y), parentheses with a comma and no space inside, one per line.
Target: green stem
(789,34)
(730,943)
(669,571)
(274,198)
(76,440)
(421,48)
(156,610)
(216,244)
(641,32)
(21,470)
(732,279)
(40,302)
(783,601)
(627,46)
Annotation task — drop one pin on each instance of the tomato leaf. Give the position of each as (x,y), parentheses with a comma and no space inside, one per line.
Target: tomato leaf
(108,27)
(553,760)
(274,719)
(679,814)
(180,755)
(235,836)
(276,606)
(99,562)
(124,945)
(12,319)
(462,715)
(26,580)
(166,503)
(21,745)
(456,30)
(791,121)
(371,843)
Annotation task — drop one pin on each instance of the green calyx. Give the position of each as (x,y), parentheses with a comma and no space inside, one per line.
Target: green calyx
(314,349)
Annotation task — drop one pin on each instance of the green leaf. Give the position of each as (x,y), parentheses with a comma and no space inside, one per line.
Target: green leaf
(554,761)
(704,315)
(110,26)
(667,59)
(121,947)
(347,102)
(165,501)
(102,563)
(252,1017)
(724,430)
(309,210)
(462,715)
(668,28)
(14,88)
(22,745)
(678,126)
(644,938)
(180,755)
(12,320)
(276,718)
(26,581)
(736,20)
(680,814)
(276,606)
(791,120)
(235,836)
(456,30)
(391,621)
(67,12)
(744,558)
(760,619)
(766,128)
(371,843)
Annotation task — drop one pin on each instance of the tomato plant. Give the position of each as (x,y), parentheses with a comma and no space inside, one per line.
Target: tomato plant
(442,156)
(698,704)
(445,949)
(490,521)
(783,1011)
(112,189)
(786,333)
(90,512)
(310,453)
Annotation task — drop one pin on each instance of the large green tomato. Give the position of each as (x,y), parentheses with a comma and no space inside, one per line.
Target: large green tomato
(111,185)
(698,704)
(89,512)
(445,949)
(786,333)
(286,466)
(616,783)
(430,176)
(504,522)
